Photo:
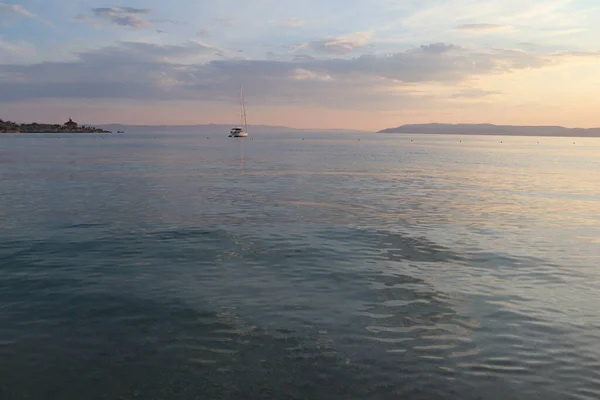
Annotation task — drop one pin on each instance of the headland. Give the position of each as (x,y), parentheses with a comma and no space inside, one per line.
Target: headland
(68,127)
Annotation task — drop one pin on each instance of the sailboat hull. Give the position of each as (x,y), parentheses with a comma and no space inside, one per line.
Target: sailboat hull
(240,134)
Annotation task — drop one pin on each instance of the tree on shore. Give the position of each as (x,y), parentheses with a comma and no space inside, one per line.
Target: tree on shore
(12,127)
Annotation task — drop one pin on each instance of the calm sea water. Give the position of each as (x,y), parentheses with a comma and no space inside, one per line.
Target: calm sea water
(299,266)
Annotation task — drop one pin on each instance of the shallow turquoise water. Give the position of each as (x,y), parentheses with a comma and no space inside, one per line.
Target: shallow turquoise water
(181,267)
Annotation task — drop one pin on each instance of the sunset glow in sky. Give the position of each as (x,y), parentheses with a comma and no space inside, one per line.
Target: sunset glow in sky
(309,64)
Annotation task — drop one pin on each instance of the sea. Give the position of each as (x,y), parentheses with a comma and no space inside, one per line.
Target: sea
(299,266)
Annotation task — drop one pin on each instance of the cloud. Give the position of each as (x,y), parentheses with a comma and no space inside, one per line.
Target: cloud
(531,13)
(439,48)
(294,22)
(298,46)
(117,10)
(147,71)
(341,44)
(473,94)
(8,9)
(228,21)
(529,45)
(305,74)
(140,52)
(482,27)
(16,51)
(10,47)
(123,16)
(166,21)
(565,31)
(576,55)
(543,48)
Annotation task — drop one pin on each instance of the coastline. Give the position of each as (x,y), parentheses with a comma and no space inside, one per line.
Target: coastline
(55,131)
(70,126)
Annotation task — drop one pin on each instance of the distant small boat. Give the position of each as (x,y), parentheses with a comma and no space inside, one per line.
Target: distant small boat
(242,130)
(120,132)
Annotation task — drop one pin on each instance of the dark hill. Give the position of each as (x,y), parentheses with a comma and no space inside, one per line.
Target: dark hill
(491,129)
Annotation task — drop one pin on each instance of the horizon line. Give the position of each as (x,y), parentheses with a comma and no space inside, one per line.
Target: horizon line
(326,129)
(364,130)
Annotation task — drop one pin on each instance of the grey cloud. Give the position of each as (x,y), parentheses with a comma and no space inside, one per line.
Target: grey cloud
(139,52)
(148,71)
(123,16)
(116,10)
(329,47)
(88,90)
(438,48)
(167,21)
(304,57)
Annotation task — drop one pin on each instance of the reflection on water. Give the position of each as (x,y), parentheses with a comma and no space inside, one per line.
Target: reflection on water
(174,267)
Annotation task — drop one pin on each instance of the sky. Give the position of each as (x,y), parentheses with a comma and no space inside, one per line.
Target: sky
(309,64)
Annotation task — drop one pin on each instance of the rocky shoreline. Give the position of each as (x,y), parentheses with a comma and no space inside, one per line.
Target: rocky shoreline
(68,127)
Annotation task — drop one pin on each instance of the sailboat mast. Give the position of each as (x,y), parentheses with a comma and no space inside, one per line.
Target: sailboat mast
(241,107)
(244,122)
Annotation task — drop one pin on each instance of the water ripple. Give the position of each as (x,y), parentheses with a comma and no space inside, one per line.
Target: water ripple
(165,267)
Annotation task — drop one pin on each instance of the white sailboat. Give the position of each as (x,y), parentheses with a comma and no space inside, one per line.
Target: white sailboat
(242,130)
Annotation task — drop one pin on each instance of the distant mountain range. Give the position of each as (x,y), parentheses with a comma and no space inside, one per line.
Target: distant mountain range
(490,129)
(220,129)
(437,128)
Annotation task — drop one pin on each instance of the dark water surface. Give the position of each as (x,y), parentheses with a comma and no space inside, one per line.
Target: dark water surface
(181,267)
